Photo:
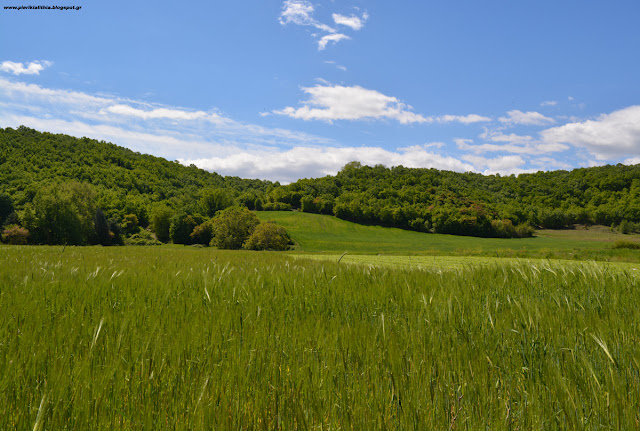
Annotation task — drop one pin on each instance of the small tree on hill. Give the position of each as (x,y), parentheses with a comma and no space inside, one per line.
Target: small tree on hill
(232,227)
(268,236)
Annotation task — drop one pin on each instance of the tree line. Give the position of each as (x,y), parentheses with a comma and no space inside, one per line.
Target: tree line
(57,189)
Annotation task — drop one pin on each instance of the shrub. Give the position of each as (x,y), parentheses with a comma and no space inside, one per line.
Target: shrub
(143,237)
(525,230)
(626,244)
(232,227)
(268,236)
(15,235)
(203,233)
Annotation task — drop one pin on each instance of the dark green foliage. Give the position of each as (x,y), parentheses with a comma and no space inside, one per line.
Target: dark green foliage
(203,233)
(214,200)
(232,227)
(6,207)
(115,231)
(468,203)
(125,182)
(425,200)
(182,226)
(101,226)
(161,221)
(626,227)
(61,214)
(130,225)
(268,236)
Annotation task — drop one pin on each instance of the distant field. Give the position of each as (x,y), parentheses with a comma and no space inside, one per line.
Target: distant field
(455,263)
(183,338)
(320,233)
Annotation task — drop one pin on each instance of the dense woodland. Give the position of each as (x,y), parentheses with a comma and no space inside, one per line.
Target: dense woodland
(57,189)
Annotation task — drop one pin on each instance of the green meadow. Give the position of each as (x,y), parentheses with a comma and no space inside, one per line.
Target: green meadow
(320,233)
(182,338)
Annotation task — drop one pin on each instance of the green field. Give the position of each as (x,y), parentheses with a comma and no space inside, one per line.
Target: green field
(454,263)
(319,233)
(136,338)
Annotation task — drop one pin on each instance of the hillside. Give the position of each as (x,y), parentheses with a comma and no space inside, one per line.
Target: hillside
(122,182)
(30,160)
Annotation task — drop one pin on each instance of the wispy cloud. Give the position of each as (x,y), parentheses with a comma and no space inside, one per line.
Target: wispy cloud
(165,113)
(32,68)
(549,103)
(526,118)
(335,38)
(338,66)
(300,12)
(354,22)
(464,119)
(166,131)
(606,137)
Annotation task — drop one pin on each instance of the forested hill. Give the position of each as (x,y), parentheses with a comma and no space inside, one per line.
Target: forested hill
(29,160)
(40,171)
(474,204)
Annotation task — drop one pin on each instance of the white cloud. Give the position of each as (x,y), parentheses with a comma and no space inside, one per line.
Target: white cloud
(607,137)
(300,12)
(632,161)
(171,114)
(354,22)
(351,103)
(526,118)
(464,119)
(335,38)
(32,68)
(549,103)
(310,162)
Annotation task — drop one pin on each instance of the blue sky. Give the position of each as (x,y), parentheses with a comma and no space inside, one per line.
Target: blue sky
(287,89)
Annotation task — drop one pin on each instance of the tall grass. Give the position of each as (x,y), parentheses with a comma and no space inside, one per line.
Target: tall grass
(163,338)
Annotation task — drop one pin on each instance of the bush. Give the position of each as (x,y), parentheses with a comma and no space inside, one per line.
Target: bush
(203,233)
(144,237)
(15,235)
(626,244)
(268,236)
(232,227)
(525,230)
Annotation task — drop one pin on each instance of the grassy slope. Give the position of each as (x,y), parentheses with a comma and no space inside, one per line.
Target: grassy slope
(319,233)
